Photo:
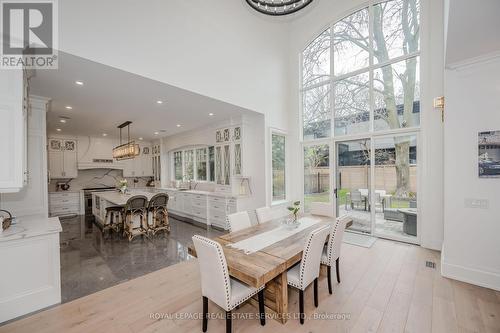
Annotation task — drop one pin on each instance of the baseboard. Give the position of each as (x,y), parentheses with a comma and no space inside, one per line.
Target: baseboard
(477,277)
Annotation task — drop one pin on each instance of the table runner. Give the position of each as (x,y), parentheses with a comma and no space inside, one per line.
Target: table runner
(265,239)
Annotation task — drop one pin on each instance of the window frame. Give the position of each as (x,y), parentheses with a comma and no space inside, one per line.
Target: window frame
(183,151)
(282,133)
(369,69)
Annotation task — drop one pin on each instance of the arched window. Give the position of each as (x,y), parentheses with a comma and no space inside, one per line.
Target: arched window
(361,75)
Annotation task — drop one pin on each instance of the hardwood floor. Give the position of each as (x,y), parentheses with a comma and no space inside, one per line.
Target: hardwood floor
(384,288)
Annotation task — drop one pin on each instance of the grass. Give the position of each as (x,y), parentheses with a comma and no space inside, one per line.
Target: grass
(342,199)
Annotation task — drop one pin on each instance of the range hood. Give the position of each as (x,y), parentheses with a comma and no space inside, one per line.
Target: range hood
(96,153)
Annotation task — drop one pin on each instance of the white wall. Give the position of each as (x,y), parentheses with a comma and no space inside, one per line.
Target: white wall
(471,249)
(307,27)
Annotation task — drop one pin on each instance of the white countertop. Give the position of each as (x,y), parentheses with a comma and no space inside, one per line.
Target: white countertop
(213,194)
(119,199)
(31,226)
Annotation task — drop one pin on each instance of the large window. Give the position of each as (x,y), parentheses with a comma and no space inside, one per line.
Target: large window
(194,164)
(278,166)
(361,75)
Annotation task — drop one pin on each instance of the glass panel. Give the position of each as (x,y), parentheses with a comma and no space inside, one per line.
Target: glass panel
(211,163)
(218,164)
(351,43)
(227,165)
(397,95)
(316,175)
(353,183)
(201,164)
(278,167)
(316,60)
(189,164)
(396,29)
(237,159)
(352,105)
(178,165)
(395,195)
(317,112)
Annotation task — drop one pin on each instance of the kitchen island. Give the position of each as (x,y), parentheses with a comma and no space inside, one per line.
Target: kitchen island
(30,277)
(102,200)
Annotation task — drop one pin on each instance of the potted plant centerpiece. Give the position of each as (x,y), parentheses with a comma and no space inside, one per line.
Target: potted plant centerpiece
(123,185)
(294,220)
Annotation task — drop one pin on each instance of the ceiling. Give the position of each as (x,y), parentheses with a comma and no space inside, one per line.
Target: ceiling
(473,28)
(109,97)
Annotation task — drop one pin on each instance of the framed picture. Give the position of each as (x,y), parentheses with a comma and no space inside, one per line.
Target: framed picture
(145,150)
(489,154)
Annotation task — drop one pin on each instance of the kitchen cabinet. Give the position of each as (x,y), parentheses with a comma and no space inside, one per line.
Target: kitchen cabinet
(64,203)
(63,158)
(13,130)
(228,154)
(140,166)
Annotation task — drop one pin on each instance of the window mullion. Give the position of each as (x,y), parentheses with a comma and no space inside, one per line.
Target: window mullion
(371,74)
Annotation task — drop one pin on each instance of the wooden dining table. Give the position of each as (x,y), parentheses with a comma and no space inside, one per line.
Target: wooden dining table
(269,265)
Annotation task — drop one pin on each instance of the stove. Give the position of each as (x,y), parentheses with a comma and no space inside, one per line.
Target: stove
(87,197)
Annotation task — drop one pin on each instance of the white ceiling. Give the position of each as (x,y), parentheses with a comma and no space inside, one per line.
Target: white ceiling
(111,96)
(473,29)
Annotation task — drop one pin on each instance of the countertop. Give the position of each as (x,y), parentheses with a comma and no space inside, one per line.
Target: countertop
(120,199)
(31,226)
(213,194)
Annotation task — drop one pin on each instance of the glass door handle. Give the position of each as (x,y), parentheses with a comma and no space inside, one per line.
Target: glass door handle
(335,192)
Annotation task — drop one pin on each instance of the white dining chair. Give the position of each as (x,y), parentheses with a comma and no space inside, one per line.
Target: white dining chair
(322,209)
(304,273)
(331,251)
(218,286)
(238,221)
(264,214)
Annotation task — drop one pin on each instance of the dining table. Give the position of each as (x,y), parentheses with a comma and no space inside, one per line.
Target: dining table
(262,254)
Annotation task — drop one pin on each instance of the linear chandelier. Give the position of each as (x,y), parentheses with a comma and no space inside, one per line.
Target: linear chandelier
(278,7)
(127,150)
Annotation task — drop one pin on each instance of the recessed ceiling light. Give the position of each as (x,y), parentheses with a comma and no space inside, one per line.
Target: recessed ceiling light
(104,134)
(69,107)
(80,83)
(62,121)
(178,125)
(210,114)
(159,102)
(58,129)
(156,133)
(140,139)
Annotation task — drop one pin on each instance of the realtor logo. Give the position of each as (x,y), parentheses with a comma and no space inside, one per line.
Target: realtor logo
(29,34)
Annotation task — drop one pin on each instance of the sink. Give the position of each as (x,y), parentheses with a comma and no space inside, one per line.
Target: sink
(182,189)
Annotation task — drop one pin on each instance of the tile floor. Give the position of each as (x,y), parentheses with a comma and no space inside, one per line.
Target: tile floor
(91,262)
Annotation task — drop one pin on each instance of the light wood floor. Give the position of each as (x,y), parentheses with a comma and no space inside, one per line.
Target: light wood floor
(384,288)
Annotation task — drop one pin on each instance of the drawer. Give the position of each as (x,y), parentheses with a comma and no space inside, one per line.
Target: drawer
(64,201)
(221,223)
(199,203)
(219,200)
(217,215)
(64,195)
(199,196)
(65,210)
(199,212)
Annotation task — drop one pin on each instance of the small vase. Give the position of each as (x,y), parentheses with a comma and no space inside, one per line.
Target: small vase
(123,190)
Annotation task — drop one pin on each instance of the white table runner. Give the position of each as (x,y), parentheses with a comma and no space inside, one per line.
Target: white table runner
(265,239)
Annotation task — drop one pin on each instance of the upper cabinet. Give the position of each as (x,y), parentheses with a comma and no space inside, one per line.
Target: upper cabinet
(62,158)
(228,154)
(140,166)
(13,130)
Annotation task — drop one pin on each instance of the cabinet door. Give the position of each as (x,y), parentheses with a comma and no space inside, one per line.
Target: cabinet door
(70,169)
(55,145)
(129,168)
(237,159)
(147,166)
(219,176)
(227,164)
(56,164)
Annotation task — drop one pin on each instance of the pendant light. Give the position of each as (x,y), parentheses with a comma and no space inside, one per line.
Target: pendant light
(127,150)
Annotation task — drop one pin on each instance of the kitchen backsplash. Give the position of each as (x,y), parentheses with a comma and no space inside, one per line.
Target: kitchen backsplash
(97,178)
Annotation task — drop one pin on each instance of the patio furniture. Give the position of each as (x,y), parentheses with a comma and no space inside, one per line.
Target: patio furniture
(357,198)
(393,214)
(409,220)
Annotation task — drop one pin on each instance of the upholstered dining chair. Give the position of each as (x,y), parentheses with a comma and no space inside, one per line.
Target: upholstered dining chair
(158,214)
(264,214)
(135,222)
(238,221)
(306,272)
(322,209)
(218,286)
(331,252)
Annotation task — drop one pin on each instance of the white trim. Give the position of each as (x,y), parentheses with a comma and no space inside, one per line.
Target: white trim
(484,58)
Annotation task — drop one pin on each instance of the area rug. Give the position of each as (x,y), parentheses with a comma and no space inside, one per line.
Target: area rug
(359,240)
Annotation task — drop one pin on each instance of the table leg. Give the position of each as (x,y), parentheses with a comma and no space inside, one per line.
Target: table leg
(276,298)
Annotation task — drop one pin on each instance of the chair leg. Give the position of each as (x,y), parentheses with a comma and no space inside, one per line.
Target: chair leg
(329,277)
(205,314)
(228,322)
(262,310)
(316,292)
(337,268)
(301,306)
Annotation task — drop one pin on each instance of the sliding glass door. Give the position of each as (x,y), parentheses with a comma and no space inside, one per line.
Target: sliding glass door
(316,174)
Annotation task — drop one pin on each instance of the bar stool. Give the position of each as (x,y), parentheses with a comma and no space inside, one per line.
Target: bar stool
(158,214)
(113,219)
(135,213)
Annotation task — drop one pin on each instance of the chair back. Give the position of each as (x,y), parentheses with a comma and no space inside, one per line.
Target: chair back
(264,214)
(215,281)
(364,191)
(336,236)
(238,221)
(356,195)
(311,256)
(136,203)
(157,201)
(322,209)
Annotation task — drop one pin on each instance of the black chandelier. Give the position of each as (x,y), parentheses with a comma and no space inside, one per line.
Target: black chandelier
(278,7)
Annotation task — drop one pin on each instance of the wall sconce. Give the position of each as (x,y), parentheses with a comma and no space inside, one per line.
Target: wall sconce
(439,104)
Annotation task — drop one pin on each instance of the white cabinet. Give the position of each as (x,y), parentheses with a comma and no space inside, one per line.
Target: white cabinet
(62,158)
(13,130)
(64,203)
(228,154)
(140,166)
